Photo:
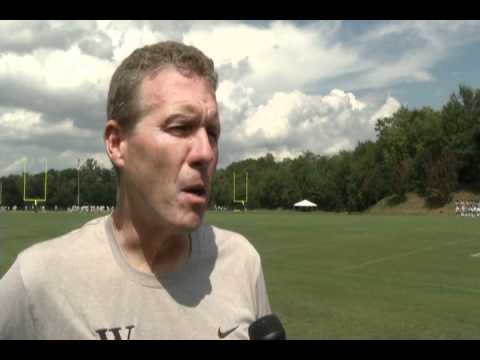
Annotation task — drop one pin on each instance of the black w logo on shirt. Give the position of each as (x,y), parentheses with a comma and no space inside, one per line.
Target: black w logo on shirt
(115,331)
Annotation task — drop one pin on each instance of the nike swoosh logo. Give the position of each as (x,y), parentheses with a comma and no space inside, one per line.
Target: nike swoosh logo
(224,334)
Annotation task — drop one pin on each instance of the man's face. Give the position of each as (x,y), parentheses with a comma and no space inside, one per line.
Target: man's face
(171,154)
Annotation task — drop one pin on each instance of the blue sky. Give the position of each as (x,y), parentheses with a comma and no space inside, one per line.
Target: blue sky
(459,65)
(285,86)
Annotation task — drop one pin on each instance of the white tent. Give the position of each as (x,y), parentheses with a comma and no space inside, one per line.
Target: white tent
(305,204)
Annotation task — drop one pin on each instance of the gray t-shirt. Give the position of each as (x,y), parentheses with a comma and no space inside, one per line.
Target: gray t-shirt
(80,286)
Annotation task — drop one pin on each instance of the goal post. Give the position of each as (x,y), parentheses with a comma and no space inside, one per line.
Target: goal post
(240,201)
(29,199)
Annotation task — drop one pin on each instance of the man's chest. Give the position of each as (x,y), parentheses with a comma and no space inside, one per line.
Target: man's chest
(147,315)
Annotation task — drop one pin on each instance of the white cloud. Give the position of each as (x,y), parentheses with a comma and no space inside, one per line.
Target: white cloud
(97,45)
(438,33)
(55,69)
(290,123)
(275,92)
(409,50)
(281,56)
(287,113)
(273,119)
(423,76)
(26,125)
(235,96)
(15,167)
(386,110)
(127,35)
(27,35)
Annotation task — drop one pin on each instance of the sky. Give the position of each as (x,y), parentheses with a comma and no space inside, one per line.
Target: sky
(285,86)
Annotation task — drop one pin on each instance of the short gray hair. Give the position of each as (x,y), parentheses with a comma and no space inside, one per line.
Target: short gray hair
(123,104)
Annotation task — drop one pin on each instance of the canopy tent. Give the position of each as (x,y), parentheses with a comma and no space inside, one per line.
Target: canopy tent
(305,205)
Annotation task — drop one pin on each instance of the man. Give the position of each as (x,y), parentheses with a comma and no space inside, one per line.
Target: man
(151,269)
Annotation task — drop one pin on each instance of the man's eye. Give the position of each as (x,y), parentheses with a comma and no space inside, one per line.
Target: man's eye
(214,135)
(180,130)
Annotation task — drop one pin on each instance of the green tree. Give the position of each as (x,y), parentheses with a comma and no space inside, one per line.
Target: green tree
(461,127)
(441,177)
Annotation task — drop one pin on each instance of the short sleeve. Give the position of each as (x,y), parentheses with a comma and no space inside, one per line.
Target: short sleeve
(15,313)
(263,304)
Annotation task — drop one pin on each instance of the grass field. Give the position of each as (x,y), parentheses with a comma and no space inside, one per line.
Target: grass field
(339,276)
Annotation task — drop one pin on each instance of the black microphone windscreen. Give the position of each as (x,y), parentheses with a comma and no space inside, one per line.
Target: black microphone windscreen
(267,327)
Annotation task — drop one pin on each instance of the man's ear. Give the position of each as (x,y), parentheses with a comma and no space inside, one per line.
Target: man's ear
(114,138)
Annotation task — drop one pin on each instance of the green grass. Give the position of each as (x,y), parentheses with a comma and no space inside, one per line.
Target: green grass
(368,277)
(340,276)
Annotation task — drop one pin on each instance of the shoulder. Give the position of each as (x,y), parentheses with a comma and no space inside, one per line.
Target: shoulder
(49,258)
(231,244)
(73,240)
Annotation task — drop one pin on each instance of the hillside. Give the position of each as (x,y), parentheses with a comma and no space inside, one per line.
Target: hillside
(416,205)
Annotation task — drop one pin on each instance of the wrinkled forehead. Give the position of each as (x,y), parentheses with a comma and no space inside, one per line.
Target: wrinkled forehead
(171,89)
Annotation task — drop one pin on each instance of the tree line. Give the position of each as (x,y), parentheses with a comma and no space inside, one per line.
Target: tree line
(90,185)
(430,152)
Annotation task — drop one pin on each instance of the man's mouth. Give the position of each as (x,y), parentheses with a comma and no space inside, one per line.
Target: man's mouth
(197,190)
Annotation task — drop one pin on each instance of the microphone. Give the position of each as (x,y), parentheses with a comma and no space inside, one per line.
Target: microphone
(267,327)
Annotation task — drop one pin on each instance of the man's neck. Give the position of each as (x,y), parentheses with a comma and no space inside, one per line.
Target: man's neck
(148,249)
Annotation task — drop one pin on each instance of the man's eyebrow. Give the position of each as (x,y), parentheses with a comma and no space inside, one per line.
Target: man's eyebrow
(188,108)
(193,110)
(176,110)
(189,111)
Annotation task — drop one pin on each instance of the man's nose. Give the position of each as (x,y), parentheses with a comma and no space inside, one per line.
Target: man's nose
(203,149)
